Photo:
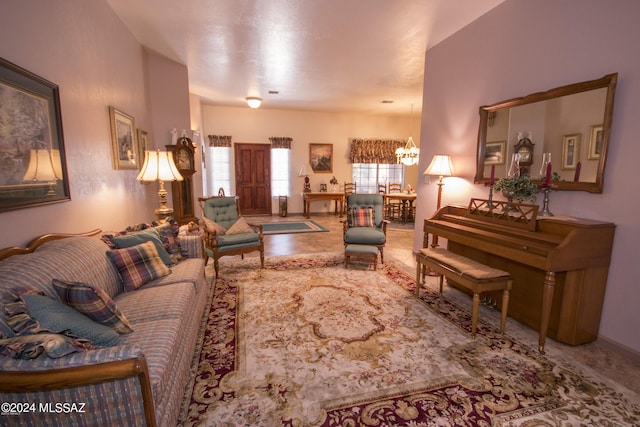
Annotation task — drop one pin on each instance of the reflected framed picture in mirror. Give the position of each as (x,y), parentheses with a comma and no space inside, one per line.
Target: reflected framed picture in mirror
(570,151)
(494,153)
(595,143)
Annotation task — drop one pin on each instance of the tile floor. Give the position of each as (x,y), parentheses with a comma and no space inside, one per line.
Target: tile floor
(622,368)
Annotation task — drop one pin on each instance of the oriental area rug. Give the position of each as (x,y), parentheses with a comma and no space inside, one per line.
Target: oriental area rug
(304,342)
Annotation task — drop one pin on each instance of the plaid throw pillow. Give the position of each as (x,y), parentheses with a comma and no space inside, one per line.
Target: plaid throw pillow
(361,217)
(138,265)
(94,303)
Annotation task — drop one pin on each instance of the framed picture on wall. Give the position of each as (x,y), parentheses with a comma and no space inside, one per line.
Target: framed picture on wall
(595,143)
(33,169)
(321,158)
(570,151)
(494,153)
(124,146)
(143,145)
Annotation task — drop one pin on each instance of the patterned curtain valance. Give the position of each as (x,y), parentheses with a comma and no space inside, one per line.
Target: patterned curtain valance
(281,142)
(381,151)
(220,141)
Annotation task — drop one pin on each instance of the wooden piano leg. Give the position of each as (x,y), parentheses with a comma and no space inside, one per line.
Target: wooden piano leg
(547,299)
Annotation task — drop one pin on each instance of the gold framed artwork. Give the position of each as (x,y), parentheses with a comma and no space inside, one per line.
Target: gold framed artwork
(124,146)
(570,151)
(321,158)
(34,169)
(494,153)
(595,142)
(143,145)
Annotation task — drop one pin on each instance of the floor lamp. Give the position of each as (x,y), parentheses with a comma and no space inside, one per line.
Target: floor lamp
(440,166)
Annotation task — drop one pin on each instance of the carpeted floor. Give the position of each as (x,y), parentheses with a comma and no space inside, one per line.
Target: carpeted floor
(305,342)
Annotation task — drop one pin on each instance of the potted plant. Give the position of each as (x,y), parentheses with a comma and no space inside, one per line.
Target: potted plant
(518,188)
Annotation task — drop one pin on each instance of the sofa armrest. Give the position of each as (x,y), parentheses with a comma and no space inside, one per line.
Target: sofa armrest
(192,244)
(90,368)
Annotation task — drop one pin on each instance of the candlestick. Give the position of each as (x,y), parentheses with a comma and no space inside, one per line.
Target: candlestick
(576,177)
(545,203)
(547,178)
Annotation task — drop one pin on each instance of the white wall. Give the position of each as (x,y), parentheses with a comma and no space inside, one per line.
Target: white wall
(526,46)
(246,125)
(84,48)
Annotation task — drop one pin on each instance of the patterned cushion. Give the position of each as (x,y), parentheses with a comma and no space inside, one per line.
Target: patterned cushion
(58,317)
(361,217)
(138,265)
(30,339)
(169,232)
(240,226)
(148,235)
(213,226)
(94,303)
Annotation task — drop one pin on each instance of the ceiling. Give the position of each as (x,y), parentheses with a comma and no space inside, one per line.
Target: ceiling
(320,55)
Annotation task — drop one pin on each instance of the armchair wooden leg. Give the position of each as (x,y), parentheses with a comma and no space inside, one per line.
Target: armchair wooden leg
(216,266)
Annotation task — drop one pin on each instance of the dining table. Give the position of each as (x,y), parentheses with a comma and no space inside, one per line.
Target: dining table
(406,200)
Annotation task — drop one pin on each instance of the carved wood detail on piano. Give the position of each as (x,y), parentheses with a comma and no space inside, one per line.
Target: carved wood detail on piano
(559,268)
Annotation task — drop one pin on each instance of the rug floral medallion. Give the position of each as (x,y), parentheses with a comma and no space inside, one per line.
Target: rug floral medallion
(305,342)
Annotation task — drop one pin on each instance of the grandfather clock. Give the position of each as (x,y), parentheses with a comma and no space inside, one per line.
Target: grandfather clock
(182,191)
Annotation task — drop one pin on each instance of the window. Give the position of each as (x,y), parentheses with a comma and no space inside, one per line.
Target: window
(280,171)
(220,169)
(367,176)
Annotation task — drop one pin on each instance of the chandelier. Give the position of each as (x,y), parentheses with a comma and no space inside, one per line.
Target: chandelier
(410,154)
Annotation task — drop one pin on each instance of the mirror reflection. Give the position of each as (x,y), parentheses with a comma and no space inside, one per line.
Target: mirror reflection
(567,126)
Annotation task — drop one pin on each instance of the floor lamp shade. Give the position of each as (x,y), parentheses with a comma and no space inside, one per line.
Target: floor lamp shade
(440,166)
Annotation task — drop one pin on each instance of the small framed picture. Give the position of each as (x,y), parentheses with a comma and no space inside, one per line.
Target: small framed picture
(595,143)
(124,147)
(323,188)
(143,145)
(494,153)
(570,151)
(321,158)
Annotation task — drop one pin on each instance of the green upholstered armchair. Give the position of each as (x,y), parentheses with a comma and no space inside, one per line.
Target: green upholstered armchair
(365,223)
(225,231)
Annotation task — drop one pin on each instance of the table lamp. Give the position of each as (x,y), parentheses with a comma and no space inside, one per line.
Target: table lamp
(159,166)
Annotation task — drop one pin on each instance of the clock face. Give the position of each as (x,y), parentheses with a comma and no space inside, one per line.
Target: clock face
(184,160)
(525,154)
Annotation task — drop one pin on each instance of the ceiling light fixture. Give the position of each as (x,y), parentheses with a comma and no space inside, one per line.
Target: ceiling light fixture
(410,154)
(254,102)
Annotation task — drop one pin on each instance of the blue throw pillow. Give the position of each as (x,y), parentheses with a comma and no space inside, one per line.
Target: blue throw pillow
(135,239)
(56,316)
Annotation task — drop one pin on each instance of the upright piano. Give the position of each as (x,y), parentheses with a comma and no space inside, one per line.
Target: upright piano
(559,265)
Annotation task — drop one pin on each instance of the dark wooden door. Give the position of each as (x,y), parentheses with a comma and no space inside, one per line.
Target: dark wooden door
(253,178)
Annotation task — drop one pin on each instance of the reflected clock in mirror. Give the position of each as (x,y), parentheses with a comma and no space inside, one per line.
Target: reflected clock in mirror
(545,118)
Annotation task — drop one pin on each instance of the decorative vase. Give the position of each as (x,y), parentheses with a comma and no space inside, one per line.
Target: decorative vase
(514,168)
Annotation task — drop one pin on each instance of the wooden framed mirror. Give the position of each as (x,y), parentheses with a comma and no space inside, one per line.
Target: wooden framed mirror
(580,113)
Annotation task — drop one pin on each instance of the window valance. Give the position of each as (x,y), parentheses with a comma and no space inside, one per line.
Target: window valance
(281,142)
(381,151)
(220,141)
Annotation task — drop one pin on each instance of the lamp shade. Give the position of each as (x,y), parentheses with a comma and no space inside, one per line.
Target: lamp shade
(440,166)
(159,166)
(305,170)
(44,165)
(254,102)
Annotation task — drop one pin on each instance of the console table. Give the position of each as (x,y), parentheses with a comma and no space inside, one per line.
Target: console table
(308,197)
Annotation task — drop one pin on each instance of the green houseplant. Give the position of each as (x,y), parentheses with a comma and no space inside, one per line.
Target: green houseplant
(518,188)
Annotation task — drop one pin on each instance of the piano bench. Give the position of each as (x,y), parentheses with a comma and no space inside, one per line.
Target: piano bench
(468,273)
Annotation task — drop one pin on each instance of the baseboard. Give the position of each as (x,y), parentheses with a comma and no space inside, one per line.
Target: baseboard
(622,350)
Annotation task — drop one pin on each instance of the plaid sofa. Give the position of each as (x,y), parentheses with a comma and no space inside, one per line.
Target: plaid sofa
(140,381)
